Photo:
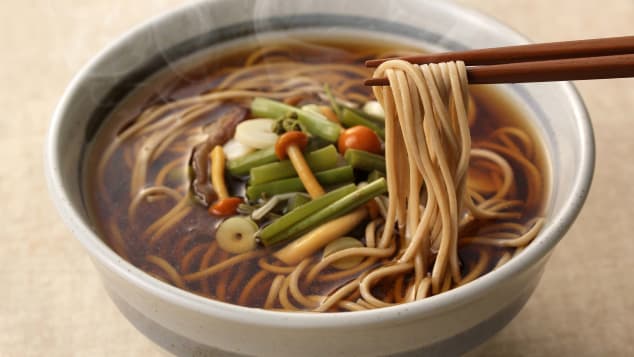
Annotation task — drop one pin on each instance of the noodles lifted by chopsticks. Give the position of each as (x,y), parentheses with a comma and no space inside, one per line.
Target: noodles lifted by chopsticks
(428,148)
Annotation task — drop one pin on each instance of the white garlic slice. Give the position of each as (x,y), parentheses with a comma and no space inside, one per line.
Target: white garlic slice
(256,133)
(234,149)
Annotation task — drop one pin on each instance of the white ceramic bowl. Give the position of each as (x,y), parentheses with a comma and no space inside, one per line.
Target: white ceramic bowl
(187,324)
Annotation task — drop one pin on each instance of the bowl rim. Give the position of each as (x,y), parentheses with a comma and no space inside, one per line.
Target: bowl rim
(431,306)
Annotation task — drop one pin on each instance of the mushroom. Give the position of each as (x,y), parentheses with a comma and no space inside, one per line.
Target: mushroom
(291,144)
(225,205)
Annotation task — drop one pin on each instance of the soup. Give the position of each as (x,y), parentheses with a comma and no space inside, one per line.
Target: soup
(258,177)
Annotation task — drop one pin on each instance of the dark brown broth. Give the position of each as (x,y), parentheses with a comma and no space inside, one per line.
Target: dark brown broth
(494,111)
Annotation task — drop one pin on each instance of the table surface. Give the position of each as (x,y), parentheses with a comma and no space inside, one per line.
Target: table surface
(51,299)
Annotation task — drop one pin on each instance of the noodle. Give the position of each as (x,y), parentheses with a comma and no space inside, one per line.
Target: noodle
(168,269)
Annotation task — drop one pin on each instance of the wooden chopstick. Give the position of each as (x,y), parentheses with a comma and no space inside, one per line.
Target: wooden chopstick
(557,61)
(523,53)
(603,67)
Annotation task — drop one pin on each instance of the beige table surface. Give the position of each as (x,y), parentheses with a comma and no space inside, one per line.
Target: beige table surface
(51,300)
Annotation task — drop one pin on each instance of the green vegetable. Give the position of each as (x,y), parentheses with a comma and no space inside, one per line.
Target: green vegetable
(334,176)
(242,165)
(315,143)
(305,222)
(270,205)
(375,175)
(237,235)
(315,123)
(297,200)
(311,108)
(333,103)
(350,118)
(364,160)
(318,160)
(269,234)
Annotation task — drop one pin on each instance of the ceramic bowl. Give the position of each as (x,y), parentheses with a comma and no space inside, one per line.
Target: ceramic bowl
(187,324)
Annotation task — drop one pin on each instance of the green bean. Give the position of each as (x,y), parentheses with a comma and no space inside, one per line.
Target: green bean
(296,201)
(269,234)
(332,210)
(318,160)
(333,102)
(351,118)
(339,175)
(315,143)
(242,165)
(375,175)
(364,160)
(315,123)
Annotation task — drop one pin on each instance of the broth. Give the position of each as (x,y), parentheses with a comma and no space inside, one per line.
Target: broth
(187,246)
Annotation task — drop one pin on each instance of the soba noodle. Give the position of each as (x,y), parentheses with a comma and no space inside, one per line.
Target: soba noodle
(440,185)
(426,120)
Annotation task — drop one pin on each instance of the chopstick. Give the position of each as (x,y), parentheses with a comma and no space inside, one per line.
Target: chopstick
(523,53)
(555,61)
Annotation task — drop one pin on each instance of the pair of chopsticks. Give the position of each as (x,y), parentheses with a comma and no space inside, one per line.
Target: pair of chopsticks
(555,61)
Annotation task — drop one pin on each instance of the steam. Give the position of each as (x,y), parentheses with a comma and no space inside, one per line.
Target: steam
(79,37)
(80,33)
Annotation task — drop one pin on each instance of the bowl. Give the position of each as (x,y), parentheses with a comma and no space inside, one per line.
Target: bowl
(186,324)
